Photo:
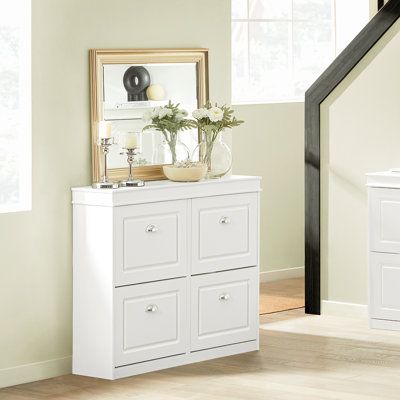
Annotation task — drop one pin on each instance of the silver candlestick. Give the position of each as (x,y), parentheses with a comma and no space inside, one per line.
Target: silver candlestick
(131,181)
(105,143)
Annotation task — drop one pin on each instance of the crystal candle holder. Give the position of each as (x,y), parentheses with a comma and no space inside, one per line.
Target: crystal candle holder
(104,183)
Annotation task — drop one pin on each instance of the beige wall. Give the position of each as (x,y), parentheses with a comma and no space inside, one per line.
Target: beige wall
(35,273)
(271,144)
(361,133)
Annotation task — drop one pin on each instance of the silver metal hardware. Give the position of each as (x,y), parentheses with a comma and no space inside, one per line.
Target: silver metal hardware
(225,220)
(151,308)
(151,228)
(224,297)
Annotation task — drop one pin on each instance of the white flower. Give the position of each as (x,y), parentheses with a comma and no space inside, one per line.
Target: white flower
(164,112)
(155,113)
(200,113)
(215,114)
(181,114)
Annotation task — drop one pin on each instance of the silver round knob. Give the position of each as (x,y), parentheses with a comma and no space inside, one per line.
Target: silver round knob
(225,220)
(151,308)
(224,297)
(151,228)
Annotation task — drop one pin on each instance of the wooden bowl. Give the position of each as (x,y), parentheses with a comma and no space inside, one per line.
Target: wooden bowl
(182,174)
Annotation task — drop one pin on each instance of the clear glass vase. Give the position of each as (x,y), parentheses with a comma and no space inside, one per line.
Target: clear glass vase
(170,152)
(215,154)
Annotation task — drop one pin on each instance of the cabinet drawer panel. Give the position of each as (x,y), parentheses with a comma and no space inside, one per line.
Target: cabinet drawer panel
(224,308)
(151,321)
(150,242)
(224,232)
(384,220)
(385,286)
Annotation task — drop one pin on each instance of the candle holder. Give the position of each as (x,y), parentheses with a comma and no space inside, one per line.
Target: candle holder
(104,144)
(131,181)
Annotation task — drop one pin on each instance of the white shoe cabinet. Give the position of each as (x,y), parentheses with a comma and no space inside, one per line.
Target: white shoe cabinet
(384,250)
(164,275)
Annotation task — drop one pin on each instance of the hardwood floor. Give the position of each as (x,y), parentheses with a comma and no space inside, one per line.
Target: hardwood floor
(302,357)
(281,295)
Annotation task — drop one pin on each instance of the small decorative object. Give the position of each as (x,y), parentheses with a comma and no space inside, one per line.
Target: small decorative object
(155,92)
(132,148)
(170,120)
(136,80)
(186,171)
(104,141)
(211,121)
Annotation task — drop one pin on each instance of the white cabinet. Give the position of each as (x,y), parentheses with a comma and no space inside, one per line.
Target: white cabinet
(384,249)
(164,275)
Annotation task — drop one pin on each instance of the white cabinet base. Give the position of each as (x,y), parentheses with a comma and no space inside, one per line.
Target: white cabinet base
(183,359)
(384,324)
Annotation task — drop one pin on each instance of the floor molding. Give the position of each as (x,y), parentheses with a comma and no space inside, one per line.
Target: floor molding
(279,274)
(339,309)
(35,371)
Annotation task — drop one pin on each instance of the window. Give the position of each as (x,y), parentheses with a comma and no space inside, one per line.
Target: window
(15,105)
(279,47)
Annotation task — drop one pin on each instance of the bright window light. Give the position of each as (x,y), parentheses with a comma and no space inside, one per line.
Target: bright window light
(15,105)
(279,47)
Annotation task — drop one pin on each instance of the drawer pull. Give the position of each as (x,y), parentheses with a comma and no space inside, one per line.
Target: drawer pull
(151,308)
(225,220)
(151,228)
(224,297)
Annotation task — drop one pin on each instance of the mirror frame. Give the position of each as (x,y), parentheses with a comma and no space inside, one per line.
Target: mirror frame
(99,57)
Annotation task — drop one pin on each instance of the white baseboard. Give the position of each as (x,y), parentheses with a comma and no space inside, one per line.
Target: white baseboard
(35,371)
(279,274)
(339,309)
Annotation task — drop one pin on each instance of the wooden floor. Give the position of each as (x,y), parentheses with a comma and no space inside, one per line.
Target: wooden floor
(281,295)
(301,358)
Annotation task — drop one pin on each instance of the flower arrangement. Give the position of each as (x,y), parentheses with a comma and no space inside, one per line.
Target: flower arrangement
(211,121)
(169,120)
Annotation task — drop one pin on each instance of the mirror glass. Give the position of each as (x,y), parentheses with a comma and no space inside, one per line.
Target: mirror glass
(129,90)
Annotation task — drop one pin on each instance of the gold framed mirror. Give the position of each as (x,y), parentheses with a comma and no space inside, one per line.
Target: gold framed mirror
(179,75)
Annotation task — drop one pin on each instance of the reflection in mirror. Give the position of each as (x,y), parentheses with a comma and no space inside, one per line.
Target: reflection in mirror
(130,90)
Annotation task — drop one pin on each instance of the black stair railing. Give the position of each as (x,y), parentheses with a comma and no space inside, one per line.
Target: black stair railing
(315,95)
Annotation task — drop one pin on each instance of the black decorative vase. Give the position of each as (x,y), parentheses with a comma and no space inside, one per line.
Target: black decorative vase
(136,81)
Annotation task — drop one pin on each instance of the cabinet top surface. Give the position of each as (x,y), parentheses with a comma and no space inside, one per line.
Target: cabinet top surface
(164,190)
(384,179)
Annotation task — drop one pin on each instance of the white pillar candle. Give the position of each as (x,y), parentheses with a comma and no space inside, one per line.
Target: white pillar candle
(131,141)
(104,130)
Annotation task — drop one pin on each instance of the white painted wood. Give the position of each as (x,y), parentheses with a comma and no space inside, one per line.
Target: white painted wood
(150,321)
(224,232)
(150,242)
(224,308)
(93,318)
(166,190)
(384,246)
(385,220)
(340,309)
(279,274)
(175,361)
(133,250)
(385,286)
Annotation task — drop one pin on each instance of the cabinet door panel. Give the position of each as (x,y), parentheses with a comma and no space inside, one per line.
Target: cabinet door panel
(384,220)
(224,308)
(225,232)
(151,321)
(385,286)
(150,242)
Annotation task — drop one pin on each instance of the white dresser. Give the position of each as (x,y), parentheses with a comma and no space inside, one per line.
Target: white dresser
(164,275)
(384,249)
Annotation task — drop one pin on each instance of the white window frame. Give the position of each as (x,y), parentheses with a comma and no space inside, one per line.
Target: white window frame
(335,51)
(25,134)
